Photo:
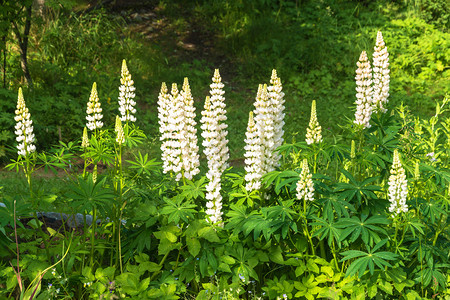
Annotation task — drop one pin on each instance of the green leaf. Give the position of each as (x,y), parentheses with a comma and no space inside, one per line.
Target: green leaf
(194,246)
(209,234)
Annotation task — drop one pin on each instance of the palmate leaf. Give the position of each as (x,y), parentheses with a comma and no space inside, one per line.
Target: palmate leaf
(142,165)
(88,195)
(357,189)
(326,229)
(362,227)
(286,149)
(441,175)
(333,204)
(368,259)
(178,208)
(194,189)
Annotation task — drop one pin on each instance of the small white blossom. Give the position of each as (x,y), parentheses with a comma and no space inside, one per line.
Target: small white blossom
(314,131)
(214,133)
(305,186)
(398,187)
(126,95)
(364,105)
(24,128)
(93,111)
(380,75)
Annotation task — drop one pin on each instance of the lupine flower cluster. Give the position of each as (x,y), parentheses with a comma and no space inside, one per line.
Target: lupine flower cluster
(252,153)
(126,96)
(314,130)
(176,114)
(85,139)
(24,128)
(305,186)
(189,142)
(214,133)
(266,134)
(364,91)
(120,139)
(372,86)
(93,111)
(380,75)
(398,187)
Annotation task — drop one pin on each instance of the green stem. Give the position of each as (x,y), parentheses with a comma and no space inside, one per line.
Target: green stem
(94,227)
(160,264)
(333,250)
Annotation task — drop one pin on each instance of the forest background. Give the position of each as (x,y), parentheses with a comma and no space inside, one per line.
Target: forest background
(313,45)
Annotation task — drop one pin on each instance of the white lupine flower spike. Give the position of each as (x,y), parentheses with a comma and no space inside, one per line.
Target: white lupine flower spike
(164,108)
(252,156)
(126,95)
(364,105)
(305,186)
(380,75)
(120,139)
(24,128)
(214,133)
(398,187)
(276,98)
(314,131)
(175,127)
(94,110)
(189,145)
(85,139)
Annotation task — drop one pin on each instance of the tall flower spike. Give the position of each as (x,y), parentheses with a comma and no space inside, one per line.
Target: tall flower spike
(85,139)
(126,96)
(24,128)
(364,105)
(175,138)
(210,142)
(93,111)
(189,144)
(305,186)
(314,131)
(164,108)
(120,139)
(398,187)
(264,123)
(252,156)
(214,133)
(380,75)
(276,99)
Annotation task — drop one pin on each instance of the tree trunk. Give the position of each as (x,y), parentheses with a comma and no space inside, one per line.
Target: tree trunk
(23,44)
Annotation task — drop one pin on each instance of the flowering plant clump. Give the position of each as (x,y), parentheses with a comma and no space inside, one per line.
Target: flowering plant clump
(126,95)
(189,146)
(215,142)
(94,110)
(314,131)
(398,187)
(24,128)
(305,186)
(252,156)
(364,104)
(380,75)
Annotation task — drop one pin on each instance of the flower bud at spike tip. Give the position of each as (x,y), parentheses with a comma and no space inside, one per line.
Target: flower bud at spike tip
(120,139)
